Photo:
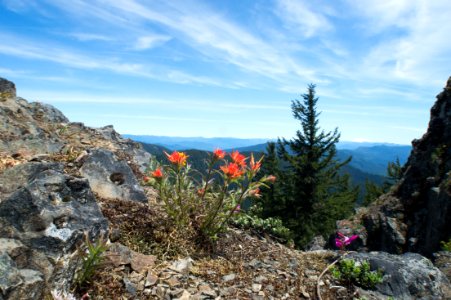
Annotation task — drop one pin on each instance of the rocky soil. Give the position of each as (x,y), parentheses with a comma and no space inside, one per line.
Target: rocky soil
(61,181)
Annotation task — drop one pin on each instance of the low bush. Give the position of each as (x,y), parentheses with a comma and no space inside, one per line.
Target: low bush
(349,272)
(272,226)
(446,246)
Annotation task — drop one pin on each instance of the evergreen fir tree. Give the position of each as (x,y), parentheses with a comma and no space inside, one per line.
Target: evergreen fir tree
(271,204)
(315,196)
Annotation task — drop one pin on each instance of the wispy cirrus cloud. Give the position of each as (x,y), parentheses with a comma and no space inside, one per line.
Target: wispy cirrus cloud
(415,45)
(87,37)
(302,19)
(150,41)
(210,35)
(74,59)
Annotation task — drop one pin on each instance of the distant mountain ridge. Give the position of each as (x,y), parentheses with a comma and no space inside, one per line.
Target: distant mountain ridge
(369,159)
(231,143)
(195,143)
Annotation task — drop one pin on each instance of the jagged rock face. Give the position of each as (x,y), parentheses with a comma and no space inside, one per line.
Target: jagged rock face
(44,214)
(110,177)
(416,215)
(407,276)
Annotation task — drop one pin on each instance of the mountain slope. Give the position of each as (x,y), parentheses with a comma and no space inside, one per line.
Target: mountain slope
(374,159)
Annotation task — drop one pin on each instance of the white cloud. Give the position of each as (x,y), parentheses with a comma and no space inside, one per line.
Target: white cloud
(87,37)
(68,57)
(150,41)
(420,36)
(202,29)
(299,17)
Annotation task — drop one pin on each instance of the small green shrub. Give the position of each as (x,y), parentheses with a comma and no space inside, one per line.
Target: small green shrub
(446,246)
(92,256)
(271,226)
(350,272)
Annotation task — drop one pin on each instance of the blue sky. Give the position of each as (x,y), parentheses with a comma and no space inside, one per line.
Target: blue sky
(231,68)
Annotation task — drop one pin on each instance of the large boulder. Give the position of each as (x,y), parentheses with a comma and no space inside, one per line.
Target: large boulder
(110,177)
(407,276)
(133,149)
(44,215)
(415,215)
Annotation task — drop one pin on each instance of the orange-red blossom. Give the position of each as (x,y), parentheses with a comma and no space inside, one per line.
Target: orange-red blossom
(238,158)
(271,178)
(232,170)
(255,193)
(157,173)
(177,158)
(255,166)
(219,154)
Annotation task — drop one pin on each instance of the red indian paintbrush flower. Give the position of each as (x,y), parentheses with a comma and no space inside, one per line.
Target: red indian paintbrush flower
(255,193)
(177,158)
(232,170)
(238,158)
(271,178)
(201,192)
(255,166)
(219,154)
(157,174)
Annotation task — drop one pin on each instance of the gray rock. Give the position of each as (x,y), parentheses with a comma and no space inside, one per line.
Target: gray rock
(9,275)
(415,215)
(47,113)
(135,150)
(130,287)
(256,287)
(407,276)
(110,177)
(44,214)
(229,277)
(182,265)
(317,243)
(7,90)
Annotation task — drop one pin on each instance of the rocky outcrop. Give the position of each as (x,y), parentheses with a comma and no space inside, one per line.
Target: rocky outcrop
(407,276)
(7,90)
(46,205)
(415,216)
(110,177)
(44,215)
(29,129)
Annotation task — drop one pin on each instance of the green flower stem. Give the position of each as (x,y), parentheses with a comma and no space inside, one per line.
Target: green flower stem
(240,200)
(218,208)
(207,179)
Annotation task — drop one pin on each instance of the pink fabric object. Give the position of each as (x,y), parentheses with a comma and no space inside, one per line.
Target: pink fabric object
(342,241)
